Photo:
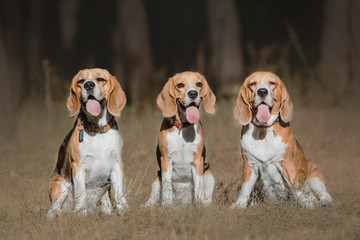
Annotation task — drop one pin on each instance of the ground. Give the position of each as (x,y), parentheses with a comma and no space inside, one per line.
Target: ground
(330,137)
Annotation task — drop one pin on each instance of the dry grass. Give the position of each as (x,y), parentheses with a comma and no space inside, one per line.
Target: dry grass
(330,137)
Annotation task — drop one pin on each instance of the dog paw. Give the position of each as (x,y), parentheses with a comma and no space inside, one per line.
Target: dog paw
(325,203)
(239,204)
(120,208)
(167,202)
(51,214)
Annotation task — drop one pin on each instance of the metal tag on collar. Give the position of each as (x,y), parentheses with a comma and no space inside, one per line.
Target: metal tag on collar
(180,127)
(81,132)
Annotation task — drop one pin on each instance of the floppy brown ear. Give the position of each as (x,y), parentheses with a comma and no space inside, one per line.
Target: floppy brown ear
(116,99)
(242,109)
(73,101)
(287,107)
(209,98)
(166,100)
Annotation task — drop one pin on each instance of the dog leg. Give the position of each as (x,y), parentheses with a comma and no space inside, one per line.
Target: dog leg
(117,180)
(319,190)
(246,189)
(167,189)
(80,192)
(209,186)
(106,206)
(155,193)
(57,206)
(198,186)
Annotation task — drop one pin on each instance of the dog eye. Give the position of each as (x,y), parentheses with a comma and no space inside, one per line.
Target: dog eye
(81,81)
(272,83)
(252,84)
(180,85)
(101,80)
(199,84)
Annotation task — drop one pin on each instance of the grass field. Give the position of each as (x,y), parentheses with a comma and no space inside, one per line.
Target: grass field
(330,137)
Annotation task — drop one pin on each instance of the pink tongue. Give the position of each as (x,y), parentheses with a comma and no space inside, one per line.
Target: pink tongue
(192,114)
(93,107)
(263,113)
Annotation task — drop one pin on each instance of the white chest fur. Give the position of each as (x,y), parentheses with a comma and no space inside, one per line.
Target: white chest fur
(99,153)
(181,152)
(261,146)
(264,152)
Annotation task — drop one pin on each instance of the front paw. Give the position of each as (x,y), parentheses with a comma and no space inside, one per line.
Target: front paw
(240,203)
(325,201)
(120,208)
(168,199)
(199,198)
(81,210)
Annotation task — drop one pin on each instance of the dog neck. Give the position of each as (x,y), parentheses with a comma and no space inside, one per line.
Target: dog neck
(260,125)
(102,120)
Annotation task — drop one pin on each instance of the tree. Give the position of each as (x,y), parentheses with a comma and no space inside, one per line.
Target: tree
(135,38)
(6,107)
(340,49)
(225,63)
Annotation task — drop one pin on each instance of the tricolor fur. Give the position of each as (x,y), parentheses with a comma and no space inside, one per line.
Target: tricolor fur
(274,162)
(183,178)
(89,162)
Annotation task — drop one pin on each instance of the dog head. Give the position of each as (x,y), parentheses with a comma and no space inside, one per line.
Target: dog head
(185,90)
(263,96)
(95,89)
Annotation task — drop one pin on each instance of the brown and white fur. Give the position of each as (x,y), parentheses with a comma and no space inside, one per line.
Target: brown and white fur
(274,162)
(86,169)
(183,177)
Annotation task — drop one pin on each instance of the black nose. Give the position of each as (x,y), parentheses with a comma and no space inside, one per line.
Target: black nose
(262,92)
(192,94)
(89,86)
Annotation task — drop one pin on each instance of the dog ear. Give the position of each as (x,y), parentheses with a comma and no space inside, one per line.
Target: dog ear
(242,110)
(117,98)
(73,101)
(208,97)
(166,100)
(287,107)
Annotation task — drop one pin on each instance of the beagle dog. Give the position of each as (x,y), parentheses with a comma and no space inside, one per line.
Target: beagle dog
(274,163)
(184,176)
(89,160)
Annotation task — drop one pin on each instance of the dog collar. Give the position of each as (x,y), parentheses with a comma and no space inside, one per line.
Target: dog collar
(94,128)
(181,125)
(264,126)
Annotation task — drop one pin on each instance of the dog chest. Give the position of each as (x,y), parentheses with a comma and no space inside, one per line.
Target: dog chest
(181,152)
(262,147)
(99,153)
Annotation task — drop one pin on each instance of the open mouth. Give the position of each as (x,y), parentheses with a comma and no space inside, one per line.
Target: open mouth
(193,104)
(262,112)
(93,106)
(262,103)
(191,112)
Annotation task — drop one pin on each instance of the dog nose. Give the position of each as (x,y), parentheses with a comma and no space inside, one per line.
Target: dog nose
(89,86)
(192,94)
(262,92)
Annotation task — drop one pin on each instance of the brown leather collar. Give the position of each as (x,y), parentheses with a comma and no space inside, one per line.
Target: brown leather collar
(94,128)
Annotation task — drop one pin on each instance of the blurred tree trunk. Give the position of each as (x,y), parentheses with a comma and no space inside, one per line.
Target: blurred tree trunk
(355,45)
(134,32)
(34,46)
(68,24)
(225,63)
(6,106)
(340,50)
(335,58)
(14,39)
